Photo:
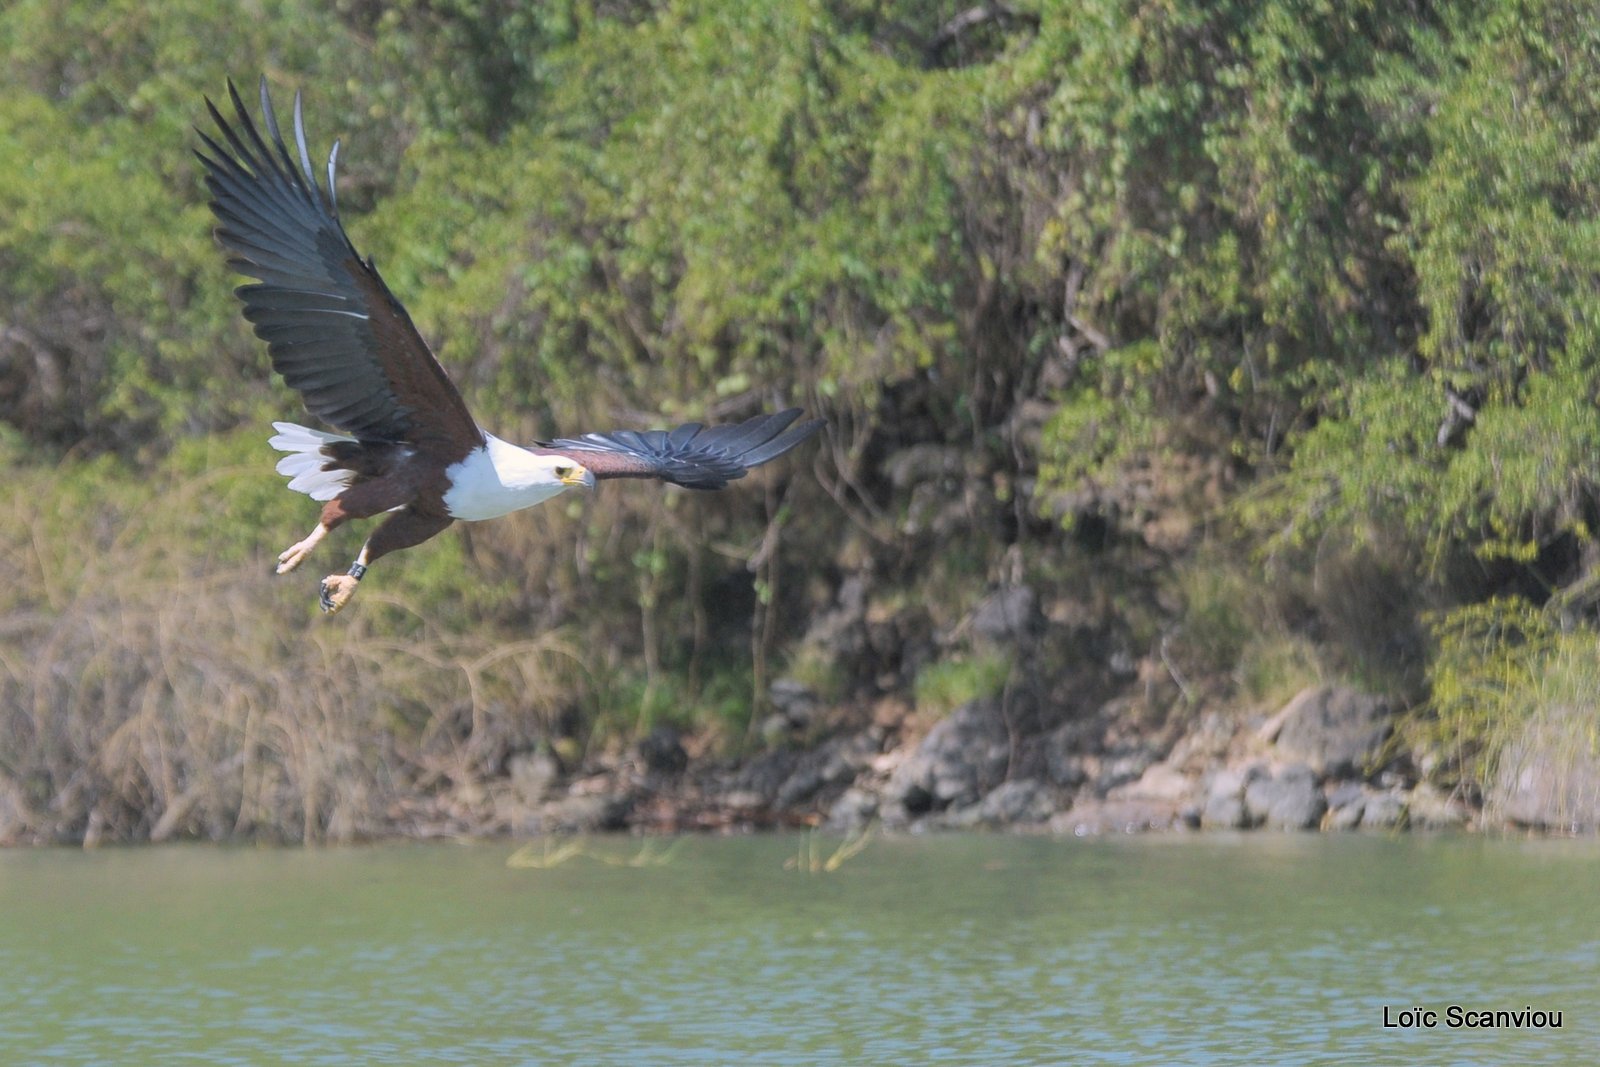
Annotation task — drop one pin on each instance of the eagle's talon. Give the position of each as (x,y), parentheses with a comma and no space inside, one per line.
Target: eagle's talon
(336,591)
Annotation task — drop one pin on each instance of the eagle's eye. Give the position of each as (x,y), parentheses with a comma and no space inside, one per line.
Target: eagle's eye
(563,472)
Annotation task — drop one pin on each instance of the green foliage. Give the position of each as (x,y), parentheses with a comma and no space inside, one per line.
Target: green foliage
(945,685)
(1226,232)
(1497,663)
(1501,243)
(1361,242)
(678,204)
(1272,668)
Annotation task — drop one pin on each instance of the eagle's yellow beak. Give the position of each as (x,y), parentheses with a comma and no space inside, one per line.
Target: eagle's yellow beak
(577,476)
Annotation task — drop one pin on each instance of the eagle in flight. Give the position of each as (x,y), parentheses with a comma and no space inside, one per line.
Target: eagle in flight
(410,450)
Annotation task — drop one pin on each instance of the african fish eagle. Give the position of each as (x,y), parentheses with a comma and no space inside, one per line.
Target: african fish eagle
(409,447)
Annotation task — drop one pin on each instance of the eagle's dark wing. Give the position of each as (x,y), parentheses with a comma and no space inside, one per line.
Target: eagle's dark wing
(334,331)
(694,456)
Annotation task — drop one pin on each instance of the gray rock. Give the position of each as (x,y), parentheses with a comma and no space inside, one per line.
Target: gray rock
(1345,806)
(1205,743)
(1288,800)
(1067,753)
(1223,808)
(1335,730)
(802,785)
(1383,811)
(854,809)
(1025,800)
(756,784)
(1160,781)
(795,702)
(840,632)
(1549,775)
(1008,615)
(1429,809)
(962,757)
(1223,813)
(959,818)
(1068,770)
(1123,770)
(585,813)
(1094,817)
(831,764)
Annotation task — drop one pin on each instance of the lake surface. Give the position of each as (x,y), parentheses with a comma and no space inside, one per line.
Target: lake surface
(973,949)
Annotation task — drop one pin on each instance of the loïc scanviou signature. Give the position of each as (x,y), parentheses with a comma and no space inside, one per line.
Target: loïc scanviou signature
(1456,1017)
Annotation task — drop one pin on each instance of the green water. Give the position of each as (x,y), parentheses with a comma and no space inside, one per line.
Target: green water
(1255,949)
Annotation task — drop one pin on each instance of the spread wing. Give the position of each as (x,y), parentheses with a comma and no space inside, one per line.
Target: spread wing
(694,456)
(334,331)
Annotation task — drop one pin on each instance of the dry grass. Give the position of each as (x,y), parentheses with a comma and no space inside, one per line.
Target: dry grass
(150,688)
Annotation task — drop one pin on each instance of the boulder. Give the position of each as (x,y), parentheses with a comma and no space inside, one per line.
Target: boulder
(830,765)
(1160,781)
(1223,808)
(1205,743)
(1287,800)
(1383,811)
(853,810)
(1345,806)
(1120,770)
(1068,750)
(1025,800)
(1430,809)
(756,784)
(585,813)
(1549,775)
(1335,730)
(1008,615)
(962,758)
(1093,817)
(795,703)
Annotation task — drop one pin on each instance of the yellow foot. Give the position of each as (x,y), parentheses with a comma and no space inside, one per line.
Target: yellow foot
(337,589)
(294,555)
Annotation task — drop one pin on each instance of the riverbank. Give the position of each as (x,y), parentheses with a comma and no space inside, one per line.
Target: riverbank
(1328,760)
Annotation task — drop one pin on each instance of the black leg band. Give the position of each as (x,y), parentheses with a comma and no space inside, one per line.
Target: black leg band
(357,570)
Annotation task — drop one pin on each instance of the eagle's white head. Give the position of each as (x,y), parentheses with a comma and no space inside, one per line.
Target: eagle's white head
(500,478)
(569,473)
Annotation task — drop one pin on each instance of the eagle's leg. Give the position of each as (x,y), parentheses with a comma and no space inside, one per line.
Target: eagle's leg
(296,554)
(357,502)
(400,530)
(337,589)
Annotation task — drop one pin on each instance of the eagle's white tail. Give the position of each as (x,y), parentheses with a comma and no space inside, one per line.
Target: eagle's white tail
(303,465)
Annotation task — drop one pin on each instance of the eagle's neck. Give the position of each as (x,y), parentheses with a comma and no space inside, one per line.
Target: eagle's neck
(497,479)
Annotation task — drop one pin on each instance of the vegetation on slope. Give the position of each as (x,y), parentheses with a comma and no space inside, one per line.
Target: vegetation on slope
(1262,333)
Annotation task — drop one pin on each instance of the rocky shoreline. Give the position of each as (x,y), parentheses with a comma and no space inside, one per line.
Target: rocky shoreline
(1328,760)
